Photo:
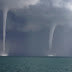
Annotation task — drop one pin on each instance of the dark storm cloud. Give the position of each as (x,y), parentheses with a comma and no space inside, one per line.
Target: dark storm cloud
(41,15)
(28,29)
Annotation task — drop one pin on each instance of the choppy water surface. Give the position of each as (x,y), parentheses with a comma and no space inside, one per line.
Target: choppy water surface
(35,64)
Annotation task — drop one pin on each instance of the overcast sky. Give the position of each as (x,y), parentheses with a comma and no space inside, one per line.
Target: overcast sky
(28,29)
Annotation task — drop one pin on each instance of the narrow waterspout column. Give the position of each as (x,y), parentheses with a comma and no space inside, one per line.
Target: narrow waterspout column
(5,11)
(52,29)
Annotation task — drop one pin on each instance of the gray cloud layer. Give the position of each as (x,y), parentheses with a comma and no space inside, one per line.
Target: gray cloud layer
(9,4)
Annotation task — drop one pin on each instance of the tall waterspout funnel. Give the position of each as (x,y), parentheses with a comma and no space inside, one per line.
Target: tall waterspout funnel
(52,29)
(5,11)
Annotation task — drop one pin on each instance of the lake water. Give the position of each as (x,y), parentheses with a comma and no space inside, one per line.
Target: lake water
(35,64)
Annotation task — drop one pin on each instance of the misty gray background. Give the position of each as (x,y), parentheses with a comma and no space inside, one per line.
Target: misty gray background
(28,30)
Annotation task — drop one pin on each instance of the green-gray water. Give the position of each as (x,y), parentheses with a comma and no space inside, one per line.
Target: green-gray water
(35,64)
